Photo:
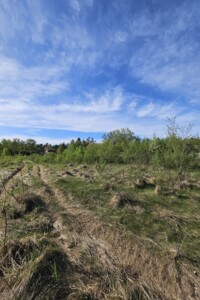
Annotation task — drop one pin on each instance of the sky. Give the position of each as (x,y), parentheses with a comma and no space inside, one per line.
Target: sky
(80,68)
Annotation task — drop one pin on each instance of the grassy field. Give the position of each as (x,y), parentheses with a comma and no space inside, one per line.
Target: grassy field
(99,232)
(170,217)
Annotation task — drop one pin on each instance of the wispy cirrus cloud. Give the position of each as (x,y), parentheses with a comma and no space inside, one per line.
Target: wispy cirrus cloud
(24,19)
(20,82)
(160,111)
(75,115)
(96,66)
(77,5)
(169,58)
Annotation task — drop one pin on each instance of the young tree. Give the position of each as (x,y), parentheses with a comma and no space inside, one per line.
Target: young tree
(177,153)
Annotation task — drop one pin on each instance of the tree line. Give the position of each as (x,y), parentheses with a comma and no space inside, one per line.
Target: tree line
(177,150)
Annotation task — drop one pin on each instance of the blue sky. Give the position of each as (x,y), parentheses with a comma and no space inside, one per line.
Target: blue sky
(79,68)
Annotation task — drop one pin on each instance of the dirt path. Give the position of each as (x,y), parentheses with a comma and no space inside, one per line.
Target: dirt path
(120,252)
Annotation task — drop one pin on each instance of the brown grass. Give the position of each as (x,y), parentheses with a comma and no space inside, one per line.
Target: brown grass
(89,259)
(31,201)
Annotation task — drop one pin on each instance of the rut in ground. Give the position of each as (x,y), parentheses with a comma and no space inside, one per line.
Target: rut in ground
(77,256)
(128,264)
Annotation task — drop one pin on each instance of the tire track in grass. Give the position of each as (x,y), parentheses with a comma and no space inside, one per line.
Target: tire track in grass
(83,248)
(139,271)
(6,189)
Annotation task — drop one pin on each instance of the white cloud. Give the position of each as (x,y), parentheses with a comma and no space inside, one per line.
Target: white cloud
(20,82)
(38,21)
(169,58)
(121,36)
(108,102)
(75,5)
(146,110)
(27,19)
(160,48)
(142,25)
(80,116)
(132,105)
(160,111)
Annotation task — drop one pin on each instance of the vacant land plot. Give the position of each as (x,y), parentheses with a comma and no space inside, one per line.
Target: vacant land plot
(91,232)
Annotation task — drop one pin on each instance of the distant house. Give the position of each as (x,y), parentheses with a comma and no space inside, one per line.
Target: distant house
(49,149)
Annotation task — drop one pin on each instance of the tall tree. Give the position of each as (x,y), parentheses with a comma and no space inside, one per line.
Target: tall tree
(121,136)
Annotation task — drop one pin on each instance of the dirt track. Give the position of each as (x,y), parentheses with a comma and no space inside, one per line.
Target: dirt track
(105,262)
(122,253)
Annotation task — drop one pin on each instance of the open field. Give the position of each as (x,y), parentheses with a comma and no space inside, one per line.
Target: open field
(99,232)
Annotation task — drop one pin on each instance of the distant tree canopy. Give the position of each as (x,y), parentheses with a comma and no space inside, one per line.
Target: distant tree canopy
(178,150)
(124,135)
(17,146)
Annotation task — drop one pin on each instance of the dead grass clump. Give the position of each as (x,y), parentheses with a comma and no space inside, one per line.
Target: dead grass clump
(138,210)
(145,182)
(16,253)
(67,173)
(139,183)
(70,164)
(49,279)
(107,186)
(121,199)
(160,191)
(46,190)
(84,175)
(31,201)
(45,224)
(186,185)
(151,181)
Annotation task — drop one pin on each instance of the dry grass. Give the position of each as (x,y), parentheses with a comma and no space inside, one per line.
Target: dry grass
(82,257)
(31,201)
(47,279)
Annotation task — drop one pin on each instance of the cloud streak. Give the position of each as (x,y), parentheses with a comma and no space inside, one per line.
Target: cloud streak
(96,66)
(169,59)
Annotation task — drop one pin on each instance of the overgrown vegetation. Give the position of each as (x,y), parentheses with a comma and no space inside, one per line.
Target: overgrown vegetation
(111,220)
(178,150)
